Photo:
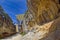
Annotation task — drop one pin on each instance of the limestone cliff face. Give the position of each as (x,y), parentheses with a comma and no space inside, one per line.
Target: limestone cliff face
(6,26)
(54,31)
(45,15)
(43,10)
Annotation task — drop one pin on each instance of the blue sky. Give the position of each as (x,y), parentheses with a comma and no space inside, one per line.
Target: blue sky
(14,7)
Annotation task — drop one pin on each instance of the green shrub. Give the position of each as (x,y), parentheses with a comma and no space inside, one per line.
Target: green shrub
(23,33)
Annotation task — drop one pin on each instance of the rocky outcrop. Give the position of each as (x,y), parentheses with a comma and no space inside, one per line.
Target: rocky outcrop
(43,10)
(48,31)
(45,20)
(7,28)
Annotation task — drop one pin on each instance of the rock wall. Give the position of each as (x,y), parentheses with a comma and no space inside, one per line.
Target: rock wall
(6,26)
(45,13)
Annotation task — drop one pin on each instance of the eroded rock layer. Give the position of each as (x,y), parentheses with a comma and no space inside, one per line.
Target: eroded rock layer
(43,18)
(7,28)
(43,10)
